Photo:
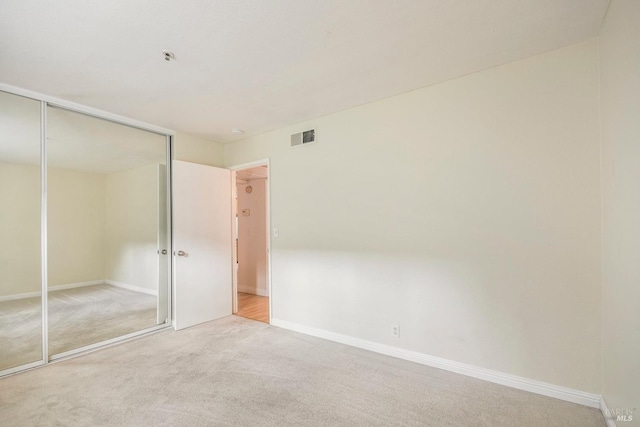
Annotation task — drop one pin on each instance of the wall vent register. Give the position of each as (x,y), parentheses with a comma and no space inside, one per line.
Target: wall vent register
(302,138)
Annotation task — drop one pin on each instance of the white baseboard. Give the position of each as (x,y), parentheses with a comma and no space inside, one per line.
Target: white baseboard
(132,287)
(253,290)
(538,387)
(80,285)
(606,414)
(20,296)
(51,288)
(76,285)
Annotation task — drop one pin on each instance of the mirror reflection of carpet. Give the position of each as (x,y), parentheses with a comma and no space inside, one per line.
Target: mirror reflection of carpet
(77,317)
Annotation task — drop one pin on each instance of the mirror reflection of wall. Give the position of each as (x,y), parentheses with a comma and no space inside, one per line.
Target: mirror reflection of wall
(104,230)
(20,245)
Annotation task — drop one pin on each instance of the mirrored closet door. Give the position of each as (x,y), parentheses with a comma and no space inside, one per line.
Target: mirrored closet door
(20,233)
(107,262)
(84,231)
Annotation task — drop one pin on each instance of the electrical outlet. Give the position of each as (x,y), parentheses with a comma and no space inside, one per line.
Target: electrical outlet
(395,331)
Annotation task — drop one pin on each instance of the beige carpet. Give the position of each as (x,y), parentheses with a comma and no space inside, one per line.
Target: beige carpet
(239,372)
(77,317)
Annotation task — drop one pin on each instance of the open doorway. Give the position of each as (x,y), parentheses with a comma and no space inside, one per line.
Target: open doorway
(251,255)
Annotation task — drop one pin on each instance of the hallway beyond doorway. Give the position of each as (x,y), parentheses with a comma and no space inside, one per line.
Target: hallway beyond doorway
(253,307)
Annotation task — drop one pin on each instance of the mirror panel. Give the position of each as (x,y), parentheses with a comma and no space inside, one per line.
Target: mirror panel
(106,201)
(20,232)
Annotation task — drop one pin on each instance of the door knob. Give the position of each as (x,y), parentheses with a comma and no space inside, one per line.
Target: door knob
(163,252)
(182,253)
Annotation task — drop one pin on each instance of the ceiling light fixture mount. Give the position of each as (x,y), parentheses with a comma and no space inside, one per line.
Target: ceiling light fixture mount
(168,55)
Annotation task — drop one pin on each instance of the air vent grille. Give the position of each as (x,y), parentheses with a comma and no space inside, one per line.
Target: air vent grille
(302,138)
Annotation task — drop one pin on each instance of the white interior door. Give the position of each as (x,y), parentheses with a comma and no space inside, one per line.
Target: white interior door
(202,243)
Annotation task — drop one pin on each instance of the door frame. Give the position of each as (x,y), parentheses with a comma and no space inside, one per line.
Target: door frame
(234,189)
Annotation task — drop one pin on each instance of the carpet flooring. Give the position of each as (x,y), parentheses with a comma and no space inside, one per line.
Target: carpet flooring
(77,317)
(239,372)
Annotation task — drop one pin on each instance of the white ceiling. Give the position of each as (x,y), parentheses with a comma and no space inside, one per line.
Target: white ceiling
(260,65)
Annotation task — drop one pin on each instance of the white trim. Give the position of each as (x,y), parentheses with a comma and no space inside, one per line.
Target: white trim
(107,343)
(21,368)
(51,289)
(85,109)
(132,287)
(253,290)
(80,285)
(605,413)
(270,290)
(44,251)
(76,285)
(20,296)
(169,224)
(538,387)
(249,165)
(234,245)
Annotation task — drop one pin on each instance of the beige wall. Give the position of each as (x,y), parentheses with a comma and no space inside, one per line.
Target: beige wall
(19,229)
(252,244)
(99,227)
(190,148)
(620,93)
(75,227)
(131,224)
(467,213)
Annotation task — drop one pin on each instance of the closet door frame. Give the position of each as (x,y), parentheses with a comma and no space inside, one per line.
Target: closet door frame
(46,101)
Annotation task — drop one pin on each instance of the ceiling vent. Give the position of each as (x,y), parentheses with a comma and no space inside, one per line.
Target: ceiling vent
(302,138)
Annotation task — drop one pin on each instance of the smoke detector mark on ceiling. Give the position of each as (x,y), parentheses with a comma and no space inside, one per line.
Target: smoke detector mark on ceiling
(168,55)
